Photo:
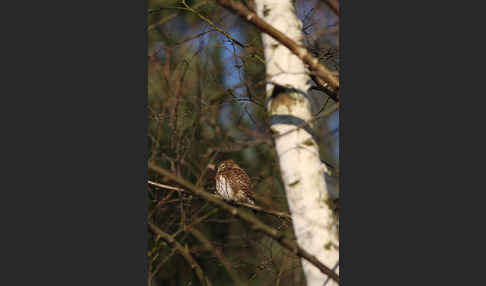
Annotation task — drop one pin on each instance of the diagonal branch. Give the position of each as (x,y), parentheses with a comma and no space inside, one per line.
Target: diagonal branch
(216,253)
(164,186)
(211,23)
(282,215)
(256,224)
(278,214)
(304,124)
(331,82)
(184,252)
(321,86)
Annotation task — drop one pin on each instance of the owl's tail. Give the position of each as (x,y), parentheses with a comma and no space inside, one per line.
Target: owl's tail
(251,201)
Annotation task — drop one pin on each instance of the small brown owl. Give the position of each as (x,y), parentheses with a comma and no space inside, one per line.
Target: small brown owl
(232,183)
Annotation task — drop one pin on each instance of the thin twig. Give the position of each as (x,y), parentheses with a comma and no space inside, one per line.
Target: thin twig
(194,223)
(184,252)
(331,81)
(253,207)
(211,23)
(267,211)
(240,145)
(196,233)
(321,86)
(256,224)
(322,115)
(164,186)
(151,11)
(161,263)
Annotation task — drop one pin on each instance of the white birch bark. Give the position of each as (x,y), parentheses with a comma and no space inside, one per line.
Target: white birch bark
(314,224)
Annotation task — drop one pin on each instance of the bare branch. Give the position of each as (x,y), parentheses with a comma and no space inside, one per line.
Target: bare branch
(253,207)
(184,252)
(321,86)
(331,82)
(267,211)
(256,224)
(164,186)
(211,23)
(318,116)
(216,253)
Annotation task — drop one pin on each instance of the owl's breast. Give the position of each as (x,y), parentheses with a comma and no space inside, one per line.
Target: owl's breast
(223,188)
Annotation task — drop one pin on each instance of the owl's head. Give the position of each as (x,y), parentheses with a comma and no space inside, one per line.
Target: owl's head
(226,165)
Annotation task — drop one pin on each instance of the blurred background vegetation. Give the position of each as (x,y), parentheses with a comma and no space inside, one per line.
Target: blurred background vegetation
(206,103)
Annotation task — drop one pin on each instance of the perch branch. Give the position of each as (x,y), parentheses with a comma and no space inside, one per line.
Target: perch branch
(256,224)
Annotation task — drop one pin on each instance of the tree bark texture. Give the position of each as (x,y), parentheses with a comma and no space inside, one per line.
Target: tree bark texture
(288,105)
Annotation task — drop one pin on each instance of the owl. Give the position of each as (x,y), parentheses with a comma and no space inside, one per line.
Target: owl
(232,183)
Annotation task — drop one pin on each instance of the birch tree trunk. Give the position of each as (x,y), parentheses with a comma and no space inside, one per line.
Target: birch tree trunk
(314,224)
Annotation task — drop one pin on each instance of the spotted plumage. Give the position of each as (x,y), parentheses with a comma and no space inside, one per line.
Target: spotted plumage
(232,183)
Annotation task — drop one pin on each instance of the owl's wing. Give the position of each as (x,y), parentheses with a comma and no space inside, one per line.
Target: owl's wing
(242,182)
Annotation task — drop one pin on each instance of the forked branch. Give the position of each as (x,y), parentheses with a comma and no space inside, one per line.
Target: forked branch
(256,224)
(330,81)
